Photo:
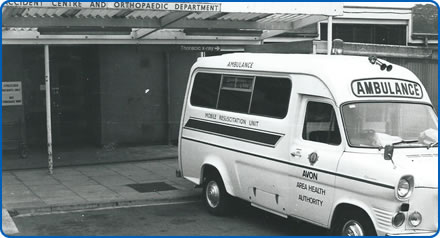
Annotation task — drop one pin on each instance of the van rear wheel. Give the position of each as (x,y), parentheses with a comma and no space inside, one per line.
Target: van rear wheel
(215,197)
(353,224)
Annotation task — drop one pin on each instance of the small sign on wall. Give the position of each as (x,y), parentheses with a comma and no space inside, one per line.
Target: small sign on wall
(11,94)
(207,48)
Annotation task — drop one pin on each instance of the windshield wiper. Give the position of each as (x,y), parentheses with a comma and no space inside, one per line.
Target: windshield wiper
(398,143)
(405,142)
(433,144)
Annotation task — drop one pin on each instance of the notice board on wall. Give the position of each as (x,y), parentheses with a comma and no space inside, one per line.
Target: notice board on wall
(12,94)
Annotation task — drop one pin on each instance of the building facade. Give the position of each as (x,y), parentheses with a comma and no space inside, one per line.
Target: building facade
(118,71)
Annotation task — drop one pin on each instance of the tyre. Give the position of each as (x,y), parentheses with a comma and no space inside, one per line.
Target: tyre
(353,224)
(215,197)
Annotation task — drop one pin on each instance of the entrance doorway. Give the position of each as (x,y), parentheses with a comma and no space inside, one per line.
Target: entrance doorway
(75,95)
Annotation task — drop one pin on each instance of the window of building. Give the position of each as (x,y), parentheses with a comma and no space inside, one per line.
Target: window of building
(367,33)
(320,124)
(263,96)
(271,97)
(205,90)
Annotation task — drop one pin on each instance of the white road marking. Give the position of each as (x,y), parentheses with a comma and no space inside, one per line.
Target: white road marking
(8,225)
(106,208)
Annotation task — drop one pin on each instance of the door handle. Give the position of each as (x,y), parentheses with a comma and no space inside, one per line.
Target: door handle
(297,153)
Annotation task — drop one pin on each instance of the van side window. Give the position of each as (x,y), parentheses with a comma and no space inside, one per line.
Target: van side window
(205,90)
(320,124)
(235,94)
(271,97)
(261,96)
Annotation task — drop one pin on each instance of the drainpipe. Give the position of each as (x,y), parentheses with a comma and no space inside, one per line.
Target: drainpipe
(48,109)
(329,35)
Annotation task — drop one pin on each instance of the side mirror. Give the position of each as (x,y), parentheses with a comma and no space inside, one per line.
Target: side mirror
(388,152)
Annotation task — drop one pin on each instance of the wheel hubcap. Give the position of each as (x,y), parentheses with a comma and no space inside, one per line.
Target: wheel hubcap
(212,194)
(352,228)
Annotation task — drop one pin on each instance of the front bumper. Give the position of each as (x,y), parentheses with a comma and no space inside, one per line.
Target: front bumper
(415,233)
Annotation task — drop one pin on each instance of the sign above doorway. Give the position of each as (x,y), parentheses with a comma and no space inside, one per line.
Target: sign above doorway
(156,6)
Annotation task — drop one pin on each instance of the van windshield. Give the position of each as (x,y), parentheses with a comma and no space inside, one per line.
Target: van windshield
(377,124)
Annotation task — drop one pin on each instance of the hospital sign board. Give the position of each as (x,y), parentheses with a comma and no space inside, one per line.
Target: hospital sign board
(11,94)
(156,6)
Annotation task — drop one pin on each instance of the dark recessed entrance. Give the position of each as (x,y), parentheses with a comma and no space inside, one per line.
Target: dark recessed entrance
(75,95)
(75,85)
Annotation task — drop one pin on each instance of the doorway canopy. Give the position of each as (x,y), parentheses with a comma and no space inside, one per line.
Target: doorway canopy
(157,22)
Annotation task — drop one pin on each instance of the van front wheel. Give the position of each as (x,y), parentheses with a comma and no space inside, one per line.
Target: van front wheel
(352,224)
(216,199)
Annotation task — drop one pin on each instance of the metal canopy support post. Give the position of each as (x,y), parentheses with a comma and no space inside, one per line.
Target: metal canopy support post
(48,109)
(329,35)
(164,21)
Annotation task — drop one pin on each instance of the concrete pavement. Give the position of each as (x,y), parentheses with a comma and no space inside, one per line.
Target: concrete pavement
(93,186)
(79,155)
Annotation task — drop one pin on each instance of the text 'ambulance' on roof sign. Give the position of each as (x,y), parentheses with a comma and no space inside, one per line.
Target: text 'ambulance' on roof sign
(386,88)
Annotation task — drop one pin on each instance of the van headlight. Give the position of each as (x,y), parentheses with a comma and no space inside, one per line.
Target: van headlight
(404,187)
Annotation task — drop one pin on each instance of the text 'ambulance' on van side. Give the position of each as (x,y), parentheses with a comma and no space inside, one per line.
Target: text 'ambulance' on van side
(347,143)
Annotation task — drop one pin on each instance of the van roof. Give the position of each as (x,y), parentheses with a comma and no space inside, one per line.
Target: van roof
(336,72)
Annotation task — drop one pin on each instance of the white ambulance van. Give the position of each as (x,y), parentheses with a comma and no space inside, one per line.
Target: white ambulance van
(346,143)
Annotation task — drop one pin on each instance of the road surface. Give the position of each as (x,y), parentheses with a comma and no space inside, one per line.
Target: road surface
(188,218)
